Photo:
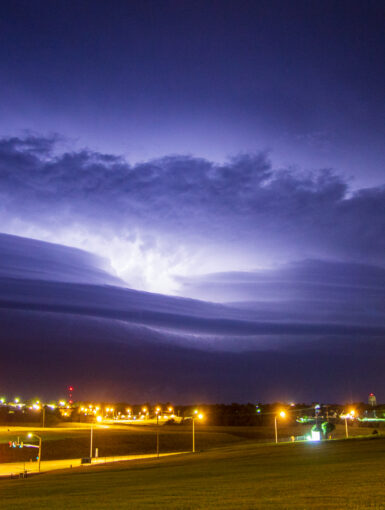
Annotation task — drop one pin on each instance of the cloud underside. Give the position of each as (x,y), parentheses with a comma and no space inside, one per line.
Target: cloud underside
(308,298)
(107,360)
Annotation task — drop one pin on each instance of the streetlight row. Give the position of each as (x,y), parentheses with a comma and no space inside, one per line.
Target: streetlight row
(196,416)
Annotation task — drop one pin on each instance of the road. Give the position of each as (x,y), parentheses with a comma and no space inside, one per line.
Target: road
(15,468)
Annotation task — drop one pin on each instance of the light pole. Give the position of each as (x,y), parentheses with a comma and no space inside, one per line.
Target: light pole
(282,414)
(91,439)
(43,411)
(157,430)
(200,417)
(351,415)
(39,438)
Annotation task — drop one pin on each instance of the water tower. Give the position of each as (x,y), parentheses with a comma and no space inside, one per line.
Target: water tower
(372,399)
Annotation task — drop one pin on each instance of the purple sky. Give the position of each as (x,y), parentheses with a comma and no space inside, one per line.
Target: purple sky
(302,79)
(223,159)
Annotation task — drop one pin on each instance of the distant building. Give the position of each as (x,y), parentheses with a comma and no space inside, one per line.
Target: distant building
(372,399)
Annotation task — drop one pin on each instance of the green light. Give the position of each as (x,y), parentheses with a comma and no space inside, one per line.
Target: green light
(371,419)
(305,419)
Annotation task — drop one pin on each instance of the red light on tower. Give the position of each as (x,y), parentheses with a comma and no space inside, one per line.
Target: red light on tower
(70,390)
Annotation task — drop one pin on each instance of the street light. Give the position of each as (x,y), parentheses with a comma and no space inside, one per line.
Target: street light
(39,438)
(281,414)
(200,417)
(351,416)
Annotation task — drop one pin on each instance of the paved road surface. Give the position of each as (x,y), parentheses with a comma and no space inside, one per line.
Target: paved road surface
(15,468)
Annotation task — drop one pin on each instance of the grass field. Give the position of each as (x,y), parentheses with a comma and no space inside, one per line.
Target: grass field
(329,475)
(62,443)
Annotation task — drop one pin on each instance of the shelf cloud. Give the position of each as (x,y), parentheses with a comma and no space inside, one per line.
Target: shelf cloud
(59,307)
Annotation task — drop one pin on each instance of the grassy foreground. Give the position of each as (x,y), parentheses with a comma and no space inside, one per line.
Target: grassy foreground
(330,475)
(61,443)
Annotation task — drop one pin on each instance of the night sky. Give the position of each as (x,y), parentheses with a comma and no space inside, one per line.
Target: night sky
(192,199)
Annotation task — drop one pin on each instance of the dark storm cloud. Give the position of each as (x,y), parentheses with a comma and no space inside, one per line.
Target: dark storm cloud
(60,322)
(244,201)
